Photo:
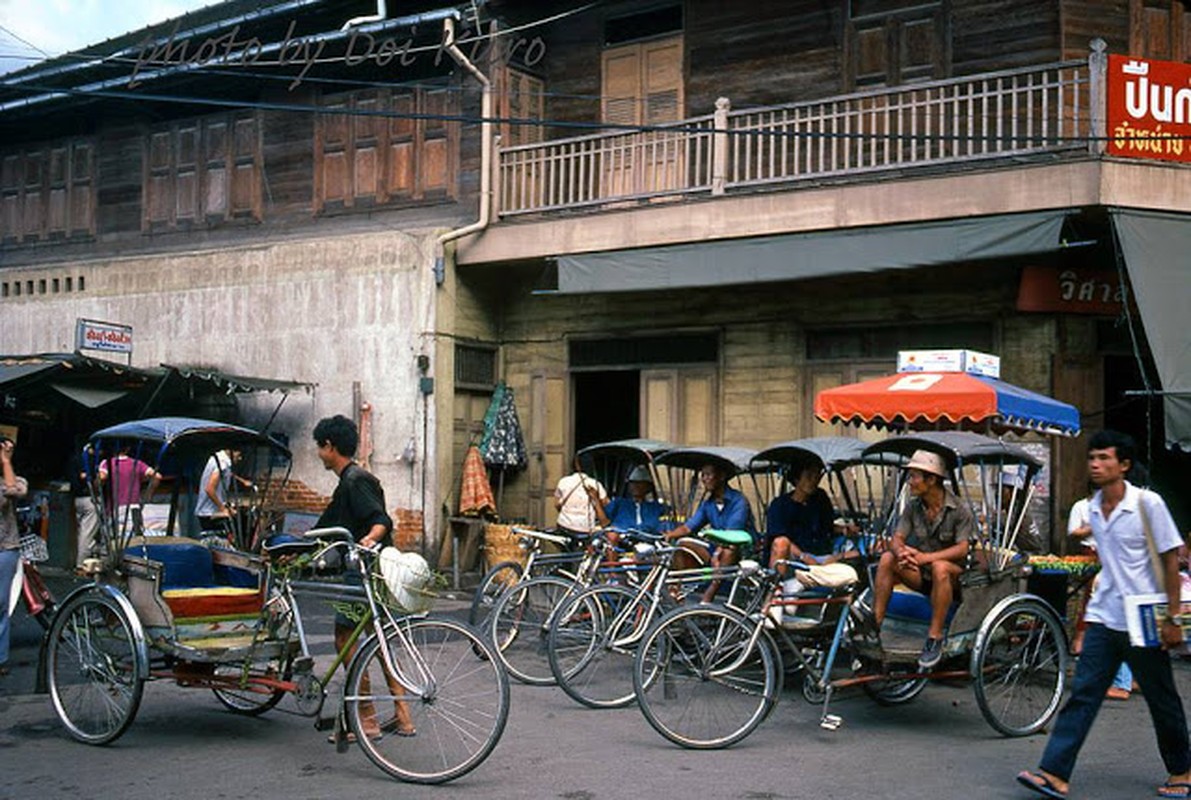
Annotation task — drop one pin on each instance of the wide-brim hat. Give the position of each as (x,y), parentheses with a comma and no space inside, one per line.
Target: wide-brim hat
(927,461)
(641,473)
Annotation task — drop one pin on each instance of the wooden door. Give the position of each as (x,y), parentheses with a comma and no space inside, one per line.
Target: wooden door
(547,445)
(680,405)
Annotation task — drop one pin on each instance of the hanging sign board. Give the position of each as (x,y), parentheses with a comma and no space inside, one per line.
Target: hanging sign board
(91,334)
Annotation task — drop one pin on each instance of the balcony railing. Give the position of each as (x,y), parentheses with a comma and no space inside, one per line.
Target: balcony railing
(1006,114)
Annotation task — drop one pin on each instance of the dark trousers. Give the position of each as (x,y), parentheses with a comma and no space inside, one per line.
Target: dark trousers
(1102,654)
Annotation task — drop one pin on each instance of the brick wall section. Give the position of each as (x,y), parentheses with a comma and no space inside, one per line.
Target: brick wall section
(297,496)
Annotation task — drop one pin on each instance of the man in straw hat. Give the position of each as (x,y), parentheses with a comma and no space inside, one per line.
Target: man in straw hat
(928,548)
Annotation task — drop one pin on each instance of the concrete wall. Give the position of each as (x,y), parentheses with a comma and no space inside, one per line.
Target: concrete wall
(335,311)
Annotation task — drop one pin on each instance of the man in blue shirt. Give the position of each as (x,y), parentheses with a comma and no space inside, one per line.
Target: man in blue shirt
(723,509)
(636,512)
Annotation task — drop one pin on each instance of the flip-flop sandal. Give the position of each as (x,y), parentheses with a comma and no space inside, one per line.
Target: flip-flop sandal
(1174,789)
(1040,784)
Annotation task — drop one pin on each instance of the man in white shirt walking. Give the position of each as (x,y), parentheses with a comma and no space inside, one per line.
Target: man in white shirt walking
(1120,515)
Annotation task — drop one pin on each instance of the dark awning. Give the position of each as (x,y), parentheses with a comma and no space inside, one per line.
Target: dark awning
(1156,246)
(13,369)
(788,257)
(237,383)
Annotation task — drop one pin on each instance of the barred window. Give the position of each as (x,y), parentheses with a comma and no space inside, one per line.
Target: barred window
(475,366)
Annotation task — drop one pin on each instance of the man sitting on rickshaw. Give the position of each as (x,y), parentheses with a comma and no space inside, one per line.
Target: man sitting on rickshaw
(724,509)
(928,549)
(801,527)
(636,512)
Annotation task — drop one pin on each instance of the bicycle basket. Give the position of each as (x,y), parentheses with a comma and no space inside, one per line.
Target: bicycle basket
(33,548)
(406,579)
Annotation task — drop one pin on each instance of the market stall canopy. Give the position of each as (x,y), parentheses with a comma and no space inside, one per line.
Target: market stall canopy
(237,383)
(915,399)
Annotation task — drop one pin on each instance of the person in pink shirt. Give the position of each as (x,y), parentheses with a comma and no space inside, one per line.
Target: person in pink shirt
(123,477)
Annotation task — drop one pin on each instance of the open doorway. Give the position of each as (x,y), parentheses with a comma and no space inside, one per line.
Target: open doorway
(607,406)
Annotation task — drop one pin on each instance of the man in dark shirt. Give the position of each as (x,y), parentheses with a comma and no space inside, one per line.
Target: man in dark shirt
(357,504)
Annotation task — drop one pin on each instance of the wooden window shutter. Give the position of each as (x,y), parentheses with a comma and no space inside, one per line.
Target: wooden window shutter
(245,176)
(186,178)
(399,179)
(661,79)
(215,166)
(1159,29)
(522,96)
(10,189)
(82,187)
(366,142)
(621,97)
(59,187)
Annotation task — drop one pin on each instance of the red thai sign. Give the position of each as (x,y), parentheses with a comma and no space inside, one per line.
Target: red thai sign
(1069,291)
(1149,108)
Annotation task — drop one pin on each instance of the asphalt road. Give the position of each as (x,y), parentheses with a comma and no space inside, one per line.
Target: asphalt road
(183,745)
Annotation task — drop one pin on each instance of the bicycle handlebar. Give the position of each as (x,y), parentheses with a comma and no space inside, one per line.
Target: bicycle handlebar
(554,538)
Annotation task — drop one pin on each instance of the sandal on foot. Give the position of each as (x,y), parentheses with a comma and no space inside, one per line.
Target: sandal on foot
(1174,789)
(1041,784)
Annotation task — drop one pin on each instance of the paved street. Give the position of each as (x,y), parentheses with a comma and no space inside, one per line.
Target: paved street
(183,745)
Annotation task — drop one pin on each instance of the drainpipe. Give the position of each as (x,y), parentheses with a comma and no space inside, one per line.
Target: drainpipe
(381,13)
(486,113)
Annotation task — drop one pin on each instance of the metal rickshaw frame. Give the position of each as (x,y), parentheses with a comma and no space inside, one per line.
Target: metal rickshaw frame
(134,624)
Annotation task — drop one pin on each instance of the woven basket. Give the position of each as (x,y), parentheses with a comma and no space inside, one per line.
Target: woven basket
(501,544)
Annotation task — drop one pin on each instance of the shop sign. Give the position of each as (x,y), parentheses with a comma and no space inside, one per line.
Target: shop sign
(1070,291)
(1149,108)
(108,336)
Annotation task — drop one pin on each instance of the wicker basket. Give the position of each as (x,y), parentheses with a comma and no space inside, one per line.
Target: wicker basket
(33,549)
(501,544)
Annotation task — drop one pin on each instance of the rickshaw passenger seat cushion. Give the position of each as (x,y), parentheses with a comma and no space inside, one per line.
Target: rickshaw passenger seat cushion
(212,602)
(905,603)
(185,564)
(227,575)
(729,537)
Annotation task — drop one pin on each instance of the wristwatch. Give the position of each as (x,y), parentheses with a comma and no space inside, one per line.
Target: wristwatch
(1175,619)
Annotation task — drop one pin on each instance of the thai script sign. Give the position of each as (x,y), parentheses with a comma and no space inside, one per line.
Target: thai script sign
(1070,291)
(90,334)
(1149,108)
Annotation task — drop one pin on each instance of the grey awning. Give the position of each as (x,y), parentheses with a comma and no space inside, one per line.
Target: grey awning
(1156,246)
(237,383)
(15,368)
(89,396)
(810,255)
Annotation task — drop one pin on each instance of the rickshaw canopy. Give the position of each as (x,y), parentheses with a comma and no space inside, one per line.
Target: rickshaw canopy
(957,448)
(958,398)
(829,451)
(186,433)
(634,450)
(735,460)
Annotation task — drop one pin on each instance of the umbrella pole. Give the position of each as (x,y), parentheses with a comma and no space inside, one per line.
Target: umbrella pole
(500,491)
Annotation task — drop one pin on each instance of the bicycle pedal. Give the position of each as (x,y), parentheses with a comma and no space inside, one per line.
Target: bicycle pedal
(831,722)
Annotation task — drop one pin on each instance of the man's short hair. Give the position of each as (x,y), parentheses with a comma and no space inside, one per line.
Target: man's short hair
(340,432)
(1124,444)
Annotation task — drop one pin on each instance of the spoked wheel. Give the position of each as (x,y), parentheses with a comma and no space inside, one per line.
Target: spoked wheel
(247,700)
(450,724)
(1019,666)
(95,677)
(520,627)
(592,645)
(495,581)
(893,691)
(699,682)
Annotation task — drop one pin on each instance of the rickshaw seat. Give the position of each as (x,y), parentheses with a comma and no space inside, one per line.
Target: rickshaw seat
(193,584)
(905,603)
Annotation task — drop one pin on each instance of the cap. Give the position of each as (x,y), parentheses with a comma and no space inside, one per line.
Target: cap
(927,461)
(641,473)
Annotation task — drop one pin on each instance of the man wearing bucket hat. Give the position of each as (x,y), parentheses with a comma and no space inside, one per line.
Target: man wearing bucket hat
(636,512)
(928,548)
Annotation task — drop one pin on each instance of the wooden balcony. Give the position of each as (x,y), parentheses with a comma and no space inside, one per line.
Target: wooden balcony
(941,126)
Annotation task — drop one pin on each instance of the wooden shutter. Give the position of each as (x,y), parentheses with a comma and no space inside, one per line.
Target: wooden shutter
(400,173)
(82,186)
(34,184)
(159,184)
(521,96)
(1159,29)
(679,405)
(245,194)
(333,163)
(215,168)
(547,445)
(621,97)
(186,184)
(59,185)
(10,188)
(366,137)
(434,150)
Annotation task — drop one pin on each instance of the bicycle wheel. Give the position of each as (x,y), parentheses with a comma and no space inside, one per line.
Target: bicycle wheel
(495,581)
(1019,666)
(520,627)
(450,723)
(711,689)
(95,677)
(593,642)
(246,700)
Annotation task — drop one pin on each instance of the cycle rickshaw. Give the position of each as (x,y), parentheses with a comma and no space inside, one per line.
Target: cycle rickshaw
(707,676)
(423,697)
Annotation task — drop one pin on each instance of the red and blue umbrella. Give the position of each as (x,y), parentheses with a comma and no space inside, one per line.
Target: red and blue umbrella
(946,399)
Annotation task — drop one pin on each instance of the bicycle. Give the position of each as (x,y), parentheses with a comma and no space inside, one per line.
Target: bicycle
(592,641)
(506,574)
(28,585)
